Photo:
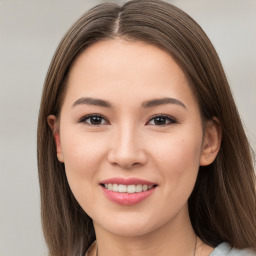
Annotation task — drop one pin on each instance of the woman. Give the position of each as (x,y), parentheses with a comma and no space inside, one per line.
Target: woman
(141,150)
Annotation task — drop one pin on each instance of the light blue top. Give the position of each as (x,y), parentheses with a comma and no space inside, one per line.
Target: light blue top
(225,249)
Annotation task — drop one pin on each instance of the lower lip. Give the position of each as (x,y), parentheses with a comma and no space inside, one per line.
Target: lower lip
(127,198)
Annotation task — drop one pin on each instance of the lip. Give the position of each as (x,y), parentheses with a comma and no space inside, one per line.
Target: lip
(127,199)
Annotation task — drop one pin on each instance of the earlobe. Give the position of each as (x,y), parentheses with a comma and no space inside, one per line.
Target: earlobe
(53,123)
(211,142)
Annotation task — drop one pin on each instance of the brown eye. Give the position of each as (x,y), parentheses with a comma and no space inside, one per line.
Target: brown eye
(93,120)
(161,120)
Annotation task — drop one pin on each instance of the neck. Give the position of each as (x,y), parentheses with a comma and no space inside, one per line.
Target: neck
(174,238)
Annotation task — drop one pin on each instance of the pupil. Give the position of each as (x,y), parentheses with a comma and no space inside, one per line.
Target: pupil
(95,120)
(160,120)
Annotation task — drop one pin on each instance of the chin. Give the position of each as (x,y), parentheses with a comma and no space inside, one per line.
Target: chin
(128,230)
(128,226)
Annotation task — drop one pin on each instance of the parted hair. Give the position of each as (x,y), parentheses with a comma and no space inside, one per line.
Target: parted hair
(222,206)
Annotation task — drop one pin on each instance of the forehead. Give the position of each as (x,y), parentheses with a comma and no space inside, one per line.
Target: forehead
(122,67)
(111,53)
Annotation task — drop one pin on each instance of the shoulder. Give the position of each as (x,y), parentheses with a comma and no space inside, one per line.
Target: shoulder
(225,249)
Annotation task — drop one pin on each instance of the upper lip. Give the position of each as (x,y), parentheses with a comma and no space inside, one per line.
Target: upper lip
(125,181)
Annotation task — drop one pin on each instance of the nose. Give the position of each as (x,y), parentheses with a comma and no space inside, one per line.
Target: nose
(127,149)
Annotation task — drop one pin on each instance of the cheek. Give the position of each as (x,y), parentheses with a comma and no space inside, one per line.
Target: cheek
(177,160)
(178,152)
(82,154)
(82,158)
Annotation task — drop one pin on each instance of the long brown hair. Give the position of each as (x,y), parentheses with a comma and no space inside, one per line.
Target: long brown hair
(222,206)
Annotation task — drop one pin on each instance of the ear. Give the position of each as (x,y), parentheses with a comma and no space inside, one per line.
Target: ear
(53,123)
(211,141)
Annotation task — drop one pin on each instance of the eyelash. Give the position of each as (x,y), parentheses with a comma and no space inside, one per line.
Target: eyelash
(88,117)
(170,120)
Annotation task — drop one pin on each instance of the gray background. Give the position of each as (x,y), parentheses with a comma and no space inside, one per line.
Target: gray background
(29,34)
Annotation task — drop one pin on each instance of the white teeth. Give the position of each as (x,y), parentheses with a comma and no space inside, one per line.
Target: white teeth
(139,188)
(131,189)
(144,187)
(115,187)
(122,188)
(127,188)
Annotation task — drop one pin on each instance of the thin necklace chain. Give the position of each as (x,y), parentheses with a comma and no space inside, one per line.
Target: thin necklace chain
(194,254)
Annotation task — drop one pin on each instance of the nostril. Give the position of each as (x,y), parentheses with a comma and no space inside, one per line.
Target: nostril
(127,156)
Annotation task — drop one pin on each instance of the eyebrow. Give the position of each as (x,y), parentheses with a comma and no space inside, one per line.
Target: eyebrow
(162,101)
(146,104)
(93,101)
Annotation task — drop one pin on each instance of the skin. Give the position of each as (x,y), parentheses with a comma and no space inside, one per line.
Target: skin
(129,142)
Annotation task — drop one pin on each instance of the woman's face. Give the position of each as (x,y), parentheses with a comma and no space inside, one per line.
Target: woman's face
(129,118)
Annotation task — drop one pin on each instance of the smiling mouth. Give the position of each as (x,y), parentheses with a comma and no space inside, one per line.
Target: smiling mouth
(121,188)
